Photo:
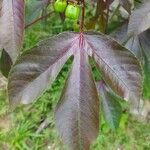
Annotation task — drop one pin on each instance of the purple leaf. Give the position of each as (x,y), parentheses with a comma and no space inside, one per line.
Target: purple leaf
(140,19)
(38,67)
(119,67)
(77,113)
(12,26)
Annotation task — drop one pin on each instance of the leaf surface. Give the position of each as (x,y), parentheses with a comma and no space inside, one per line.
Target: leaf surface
(12,26)
(38,67)
(140,19)
(119,67)
(77,113)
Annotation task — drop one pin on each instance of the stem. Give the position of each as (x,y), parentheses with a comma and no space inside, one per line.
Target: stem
(35,21)
(82,19)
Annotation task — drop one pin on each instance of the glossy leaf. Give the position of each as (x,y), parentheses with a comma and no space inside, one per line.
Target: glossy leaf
(77,113)
(140,46)
(119,67)
(38,67)
(12,26)
(140,19)
(110,105)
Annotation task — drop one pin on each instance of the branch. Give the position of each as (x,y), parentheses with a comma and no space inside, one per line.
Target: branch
(35,21)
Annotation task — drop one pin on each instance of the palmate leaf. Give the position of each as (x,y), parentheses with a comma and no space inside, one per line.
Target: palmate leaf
(77,111)
(110,105)
(12,26)
(140,19)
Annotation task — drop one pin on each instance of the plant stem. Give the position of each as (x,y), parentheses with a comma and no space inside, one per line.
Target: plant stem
(82,19)
(35,21)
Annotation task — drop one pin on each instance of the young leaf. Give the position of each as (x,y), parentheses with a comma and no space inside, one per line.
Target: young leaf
(77,113)
(38,67)
(119,67)
(12,26)
(110,105)
(140,20)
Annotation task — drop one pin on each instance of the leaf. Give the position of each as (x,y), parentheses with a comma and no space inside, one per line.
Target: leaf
(34,9)
(126,4)
(5,63)
(12,26)
(130,42)
(145,46)
(120,69)
(38,67)
(140,46)
(0,6)
(139,20)
(77,114)
(110,105)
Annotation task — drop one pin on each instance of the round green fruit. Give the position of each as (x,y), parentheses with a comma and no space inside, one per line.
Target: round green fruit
(60,5)
(72,11)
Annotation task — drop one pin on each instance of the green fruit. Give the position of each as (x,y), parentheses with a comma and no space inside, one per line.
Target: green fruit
(60,5)
(72,11)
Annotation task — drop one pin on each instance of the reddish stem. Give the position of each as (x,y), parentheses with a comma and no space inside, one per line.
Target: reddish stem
(35,21)
(82,19)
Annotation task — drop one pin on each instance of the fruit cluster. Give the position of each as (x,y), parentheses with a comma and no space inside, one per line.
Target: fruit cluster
(72,10)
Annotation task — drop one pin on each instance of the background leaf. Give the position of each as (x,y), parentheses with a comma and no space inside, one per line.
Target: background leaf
(77,114)
(126,4)
(140,19)
(5,63)
(34,9)
(145,46)
(110,105)
(12,26)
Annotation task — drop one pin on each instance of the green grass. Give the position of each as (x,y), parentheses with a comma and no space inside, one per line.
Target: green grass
(18,128)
